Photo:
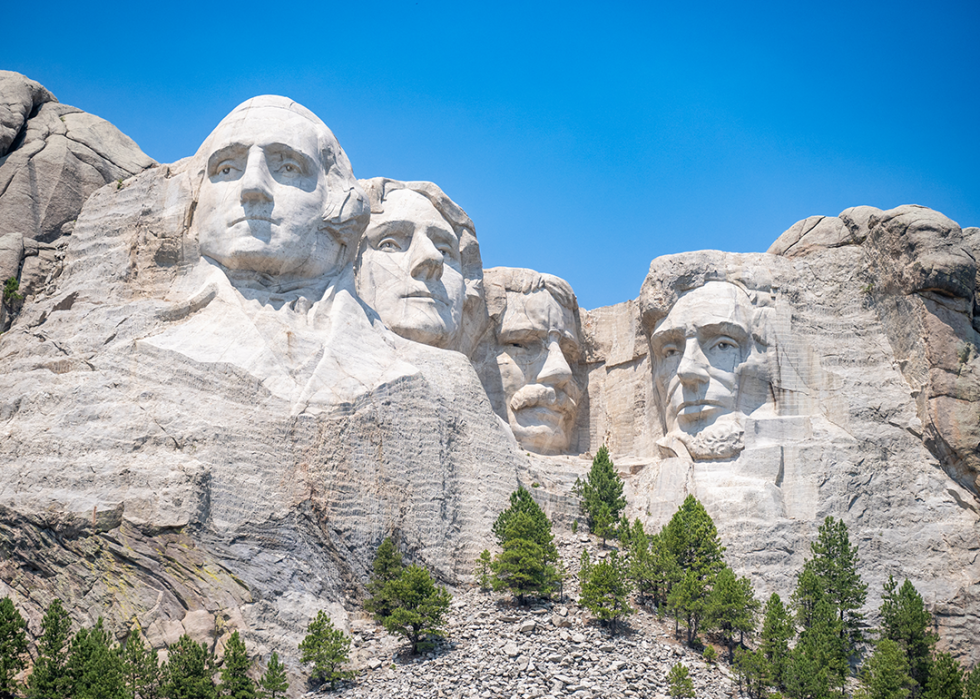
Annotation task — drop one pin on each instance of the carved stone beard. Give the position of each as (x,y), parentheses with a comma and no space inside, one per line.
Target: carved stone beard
(723,439)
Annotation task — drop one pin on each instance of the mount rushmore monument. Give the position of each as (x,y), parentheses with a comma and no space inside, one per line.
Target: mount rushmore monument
(230,377)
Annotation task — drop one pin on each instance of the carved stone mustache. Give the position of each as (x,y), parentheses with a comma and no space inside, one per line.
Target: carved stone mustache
(536,394)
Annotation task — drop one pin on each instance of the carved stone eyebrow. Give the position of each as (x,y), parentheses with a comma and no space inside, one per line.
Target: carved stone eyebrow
(233,150)
(732,330)
(277,148)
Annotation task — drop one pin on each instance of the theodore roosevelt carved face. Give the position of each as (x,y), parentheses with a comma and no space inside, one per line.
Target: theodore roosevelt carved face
(536,346)
(700,352)
(277,196)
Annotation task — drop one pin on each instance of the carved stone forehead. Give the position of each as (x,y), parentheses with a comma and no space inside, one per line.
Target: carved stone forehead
(281,116)
(711,304)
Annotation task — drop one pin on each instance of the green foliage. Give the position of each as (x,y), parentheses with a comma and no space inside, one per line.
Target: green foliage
(10,295)
(945,678)
(834,564)
(189,671)
(526,564)
(419,607)
(819,660)
(602,495)
(679,679)
(904,619)
(49,679)
(605,589)
(94,667)
(574,526)
(13,645)
(971,686)
(235,681)
(274,681)
(753,673)
(710,655)
(387,567)
(483,571)
(141,667)
(327,648)
(778,630)
(521,502)
(885,674)
(731,609)
(694,551)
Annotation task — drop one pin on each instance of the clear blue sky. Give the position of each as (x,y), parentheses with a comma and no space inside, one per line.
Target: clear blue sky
(584,139)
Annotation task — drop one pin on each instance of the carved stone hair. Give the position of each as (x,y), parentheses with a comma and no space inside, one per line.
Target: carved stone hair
(672,276)
(345,209)
(500,280)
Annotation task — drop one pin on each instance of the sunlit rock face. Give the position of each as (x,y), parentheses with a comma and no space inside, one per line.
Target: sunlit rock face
(244,369)
(203,398)
(52,157)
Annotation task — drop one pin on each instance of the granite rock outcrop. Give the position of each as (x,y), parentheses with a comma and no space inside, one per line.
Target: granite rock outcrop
(247,368)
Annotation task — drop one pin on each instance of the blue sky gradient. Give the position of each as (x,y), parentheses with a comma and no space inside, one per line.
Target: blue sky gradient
(583,139)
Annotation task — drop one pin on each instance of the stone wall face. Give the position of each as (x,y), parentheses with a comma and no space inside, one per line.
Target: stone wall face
(193,446)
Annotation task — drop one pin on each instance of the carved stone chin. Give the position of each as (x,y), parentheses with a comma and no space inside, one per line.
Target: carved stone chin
(724,439)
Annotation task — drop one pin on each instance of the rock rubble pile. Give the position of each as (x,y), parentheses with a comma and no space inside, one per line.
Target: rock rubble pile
(496,649)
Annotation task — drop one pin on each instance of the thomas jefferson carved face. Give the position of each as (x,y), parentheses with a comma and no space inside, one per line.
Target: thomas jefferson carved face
(697,350)
(537,345)
(262,201)
(409,270)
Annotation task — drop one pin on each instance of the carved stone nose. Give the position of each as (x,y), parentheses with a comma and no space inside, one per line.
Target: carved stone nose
(256,180)
(555,369)
(693,367)
(427,262)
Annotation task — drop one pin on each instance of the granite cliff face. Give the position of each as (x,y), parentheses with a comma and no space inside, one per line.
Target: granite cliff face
(201,433)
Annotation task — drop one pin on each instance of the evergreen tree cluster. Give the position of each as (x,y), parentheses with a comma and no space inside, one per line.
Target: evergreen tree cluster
(89,664)
(406,600)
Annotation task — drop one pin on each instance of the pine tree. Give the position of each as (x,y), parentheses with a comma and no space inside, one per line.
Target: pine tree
(387,567)
(327,648)
(421,605)
(692,538)
(679,679)
(971,685)
(189,671)
(483,572)
(731,608)
(605,589)
(274,681)
(818,663)
(753,673)
(835,563)
(778,630)
(904,619)
(692,541)
(602,495)
(526,563)
(945,678)
(885,674)
(141,667)
(48,679)
(13,646)
(94,667)
(235,681)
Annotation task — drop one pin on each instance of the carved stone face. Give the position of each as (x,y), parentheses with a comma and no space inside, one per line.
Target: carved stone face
(409,270)
(261,203)
(536,348)
(697,349)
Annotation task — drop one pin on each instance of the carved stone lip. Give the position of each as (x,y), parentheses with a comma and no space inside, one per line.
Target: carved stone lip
(240,219)
(693,407)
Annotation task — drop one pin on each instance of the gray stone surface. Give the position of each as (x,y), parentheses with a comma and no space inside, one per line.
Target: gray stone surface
(52,157)
(202,431)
